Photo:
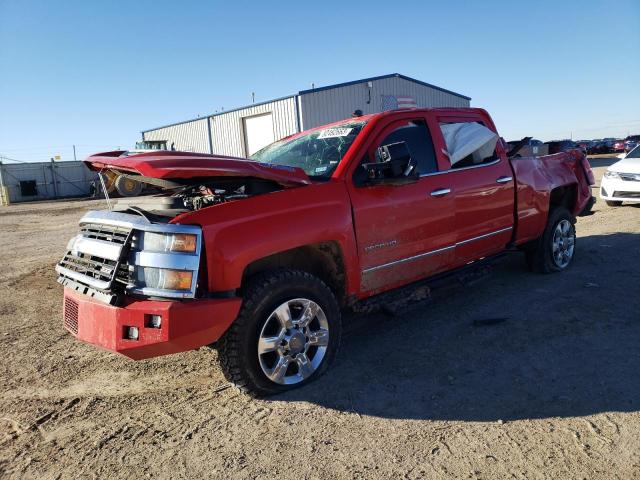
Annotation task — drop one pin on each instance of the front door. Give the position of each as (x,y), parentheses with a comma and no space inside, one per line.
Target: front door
(404,232)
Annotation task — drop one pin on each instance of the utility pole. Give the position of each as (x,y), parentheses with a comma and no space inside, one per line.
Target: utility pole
(53,179)
(74,154)
(2,191)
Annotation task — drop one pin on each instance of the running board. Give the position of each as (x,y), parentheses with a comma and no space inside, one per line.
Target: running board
(400,299)
(394,301)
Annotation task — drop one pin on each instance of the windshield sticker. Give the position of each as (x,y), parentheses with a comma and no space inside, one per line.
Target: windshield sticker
(321,169)
(335,132)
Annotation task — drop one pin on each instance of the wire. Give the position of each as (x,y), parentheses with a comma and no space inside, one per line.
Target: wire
(78,153)
(3,157)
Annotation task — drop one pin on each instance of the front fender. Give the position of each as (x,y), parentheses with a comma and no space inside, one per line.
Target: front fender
(235,234)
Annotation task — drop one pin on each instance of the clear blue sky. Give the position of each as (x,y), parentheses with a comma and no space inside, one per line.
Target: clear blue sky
(96,73)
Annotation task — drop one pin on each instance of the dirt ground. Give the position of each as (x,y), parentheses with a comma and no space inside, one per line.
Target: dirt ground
(553,391)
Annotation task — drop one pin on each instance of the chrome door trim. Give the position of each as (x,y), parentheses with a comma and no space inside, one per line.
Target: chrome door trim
(453,170)
(435,252)
(408,259)
(486,235)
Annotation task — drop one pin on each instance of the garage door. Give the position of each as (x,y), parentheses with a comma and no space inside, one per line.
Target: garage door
(258,132)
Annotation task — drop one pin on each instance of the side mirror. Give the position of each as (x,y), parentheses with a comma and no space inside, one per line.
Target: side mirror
(394,166)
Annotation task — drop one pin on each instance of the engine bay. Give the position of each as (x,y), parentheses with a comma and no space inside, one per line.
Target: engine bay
(171,198)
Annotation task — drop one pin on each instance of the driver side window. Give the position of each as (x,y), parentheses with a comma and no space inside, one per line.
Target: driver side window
(418,139)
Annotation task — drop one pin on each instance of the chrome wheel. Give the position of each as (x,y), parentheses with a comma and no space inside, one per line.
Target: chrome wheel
(564,239)
(293,341)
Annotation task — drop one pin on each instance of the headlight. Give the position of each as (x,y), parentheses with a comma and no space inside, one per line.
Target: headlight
(165,264)
(164,278)
(174,242)
(610,174)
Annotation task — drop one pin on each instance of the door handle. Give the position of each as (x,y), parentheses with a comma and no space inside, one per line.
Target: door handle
(440,192)
(504,179)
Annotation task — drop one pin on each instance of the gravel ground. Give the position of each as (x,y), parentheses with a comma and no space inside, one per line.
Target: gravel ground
(552,391)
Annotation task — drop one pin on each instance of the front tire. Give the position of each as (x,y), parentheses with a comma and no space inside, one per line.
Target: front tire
(613,203)
(555,249)
(286,335)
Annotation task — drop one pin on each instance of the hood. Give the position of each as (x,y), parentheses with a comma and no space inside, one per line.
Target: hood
(184,165)
(626,165)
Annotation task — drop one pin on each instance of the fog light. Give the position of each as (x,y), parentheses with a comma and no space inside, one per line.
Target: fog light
(131,333)
(155,321)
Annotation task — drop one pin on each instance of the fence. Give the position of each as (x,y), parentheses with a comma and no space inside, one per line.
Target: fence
(23,182)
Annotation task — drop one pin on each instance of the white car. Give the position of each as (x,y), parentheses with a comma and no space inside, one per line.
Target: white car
(621,181)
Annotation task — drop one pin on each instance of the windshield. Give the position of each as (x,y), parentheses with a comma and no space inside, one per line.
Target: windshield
(635,153)
(318,153)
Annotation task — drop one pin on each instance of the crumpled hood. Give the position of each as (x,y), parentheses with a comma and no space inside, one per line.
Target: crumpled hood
(183,165)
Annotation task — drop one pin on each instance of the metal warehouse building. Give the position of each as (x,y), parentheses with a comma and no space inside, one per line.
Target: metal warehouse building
(25,182)
(243,131)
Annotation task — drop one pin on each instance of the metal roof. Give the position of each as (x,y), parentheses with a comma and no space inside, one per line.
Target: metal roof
(219,113)
(381,77)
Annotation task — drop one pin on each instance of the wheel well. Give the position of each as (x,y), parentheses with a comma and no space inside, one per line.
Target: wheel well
(323,260)
(564,196)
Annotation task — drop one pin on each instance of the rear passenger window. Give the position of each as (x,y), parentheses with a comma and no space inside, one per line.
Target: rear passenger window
(418,139)
(469,143)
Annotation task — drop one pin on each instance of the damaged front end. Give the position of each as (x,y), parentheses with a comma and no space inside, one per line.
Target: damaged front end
(190,181)
(175,197)
(130,286)
(139,248)
(118,254)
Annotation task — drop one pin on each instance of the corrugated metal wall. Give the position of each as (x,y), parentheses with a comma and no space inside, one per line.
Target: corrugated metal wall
(192,136)
(325,106)
(223,133)
(60,179)
(227,128)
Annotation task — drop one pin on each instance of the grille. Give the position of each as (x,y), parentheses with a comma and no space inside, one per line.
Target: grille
(90,266)
(106,233)
(102,273)
(71,315)
(626,194)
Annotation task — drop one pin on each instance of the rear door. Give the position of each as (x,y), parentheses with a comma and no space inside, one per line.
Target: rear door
(483,198)
(404,232)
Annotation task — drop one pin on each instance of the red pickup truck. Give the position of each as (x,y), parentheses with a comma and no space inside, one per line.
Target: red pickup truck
(261,256)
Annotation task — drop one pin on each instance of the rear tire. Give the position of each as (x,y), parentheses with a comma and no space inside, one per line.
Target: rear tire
(613,203)
(263,353)
(555,249)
